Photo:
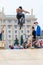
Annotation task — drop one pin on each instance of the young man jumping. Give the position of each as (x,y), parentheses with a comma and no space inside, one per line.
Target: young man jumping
(21,16)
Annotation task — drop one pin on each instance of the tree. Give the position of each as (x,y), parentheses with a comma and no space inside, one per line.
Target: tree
(22,41)
(16,42)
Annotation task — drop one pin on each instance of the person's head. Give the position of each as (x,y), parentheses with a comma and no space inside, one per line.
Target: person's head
(33,28)
(11,47)
(20,7)
(36,23)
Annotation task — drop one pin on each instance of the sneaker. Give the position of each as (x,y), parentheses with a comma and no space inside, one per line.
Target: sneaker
(20,26)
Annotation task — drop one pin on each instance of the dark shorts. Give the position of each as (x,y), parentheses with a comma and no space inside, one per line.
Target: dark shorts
(34,39)
(19,15)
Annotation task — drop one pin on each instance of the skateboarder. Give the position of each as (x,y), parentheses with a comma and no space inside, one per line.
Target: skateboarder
(20,16)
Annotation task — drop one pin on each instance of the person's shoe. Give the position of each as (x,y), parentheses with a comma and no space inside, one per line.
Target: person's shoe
(20,27)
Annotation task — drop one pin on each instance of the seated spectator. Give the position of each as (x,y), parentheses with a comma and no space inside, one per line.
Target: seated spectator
(41,43)
(18,46)
(36,44)
(11,46)
(29,44)
(15,46)
(24,45)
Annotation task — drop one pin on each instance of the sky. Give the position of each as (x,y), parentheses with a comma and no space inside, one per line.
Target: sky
(10,7)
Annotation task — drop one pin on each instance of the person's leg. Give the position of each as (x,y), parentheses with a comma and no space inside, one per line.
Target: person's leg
(37,37)
(18,16)
(22,20)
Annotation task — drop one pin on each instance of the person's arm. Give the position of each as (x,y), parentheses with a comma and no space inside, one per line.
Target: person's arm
(26,11)
(19,10)
(16,10)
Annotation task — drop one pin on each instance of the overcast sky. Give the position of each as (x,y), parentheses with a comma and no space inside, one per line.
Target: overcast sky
(11,5)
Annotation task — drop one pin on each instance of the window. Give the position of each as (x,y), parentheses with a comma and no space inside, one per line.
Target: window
(27,31)
(9,41)
(27,36)
(9,31)
(15,31)
(9,36)
(28,20)
(9,26)
(28,26)
(15,36)
(15,26)
(15,21)
(3,21)
(9,21)
(21,31)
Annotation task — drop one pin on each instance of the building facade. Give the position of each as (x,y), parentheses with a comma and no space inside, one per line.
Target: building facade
(10,26)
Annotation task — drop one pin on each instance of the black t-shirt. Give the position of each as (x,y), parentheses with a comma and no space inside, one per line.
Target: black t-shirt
(34,33)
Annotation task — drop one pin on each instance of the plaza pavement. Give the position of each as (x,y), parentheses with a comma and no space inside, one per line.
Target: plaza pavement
(21,57)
